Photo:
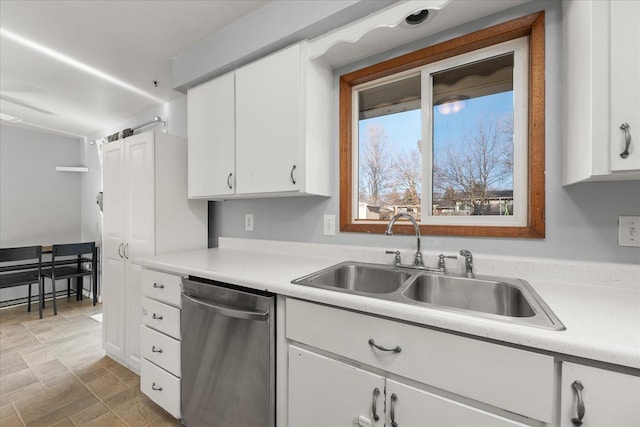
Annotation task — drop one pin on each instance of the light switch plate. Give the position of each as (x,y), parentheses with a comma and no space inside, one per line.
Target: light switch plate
(248,222)
(329,225)
(629,231)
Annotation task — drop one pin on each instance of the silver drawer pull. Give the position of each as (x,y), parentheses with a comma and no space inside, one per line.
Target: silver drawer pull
(396,349)
(293,180)
(155,387)
(155,316)
(392,413)
(376,393)
(155,285)
(578,387)
(627,140)
(156,350)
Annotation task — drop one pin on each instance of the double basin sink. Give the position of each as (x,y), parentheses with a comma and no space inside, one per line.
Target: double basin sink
(499,298)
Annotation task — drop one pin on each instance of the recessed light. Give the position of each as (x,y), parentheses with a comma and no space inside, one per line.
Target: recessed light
(9,118)
(417,18)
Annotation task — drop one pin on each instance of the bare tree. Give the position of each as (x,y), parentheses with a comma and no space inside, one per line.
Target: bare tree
(408,176)
(375,166)
(478,163)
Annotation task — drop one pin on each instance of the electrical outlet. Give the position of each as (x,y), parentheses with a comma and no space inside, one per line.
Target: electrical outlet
(248,222)
(329,225)
(629,231)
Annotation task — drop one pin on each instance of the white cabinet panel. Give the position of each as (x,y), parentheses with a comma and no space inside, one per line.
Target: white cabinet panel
(212,129)
(113,294)
(162,387)
(409,406)
(161,317)
(609,398)
(160,349)
(268,108)
(324,392)
(162,287)
(625,83)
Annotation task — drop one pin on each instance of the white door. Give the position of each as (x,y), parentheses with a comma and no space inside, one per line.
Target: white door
(609,398)
(212,138)
(625,83)
(114,201)
(410,407)
(140,196)
(324,392)
(268,126)
(133,315)
(113,307)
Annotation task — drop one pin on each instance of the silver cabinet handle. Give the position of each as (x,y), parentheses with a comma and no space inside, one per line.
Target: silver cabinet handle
(627,140)
(155,316)
(120,250)
(126,247)
(156,350)
(396,349)
(293,180)
(392,413)
(578,387)
(155,387)
(376,393)
(155,285)
(229,181)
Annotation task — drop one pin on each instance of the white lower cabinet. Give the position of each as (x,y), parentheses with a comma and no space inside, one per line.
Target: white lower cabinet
(160,370)
(598,397)
(326,392)
(338,358)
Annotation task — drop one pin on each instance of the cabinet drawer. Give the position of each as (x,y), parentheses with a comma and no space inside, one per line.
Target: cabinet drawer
(161,387)
(160,349)
(162,286)
(161,317)
(490,373)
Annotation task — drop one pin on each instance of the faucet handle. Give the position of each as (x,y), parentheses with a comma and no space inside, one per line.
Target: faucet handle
(441,264)
(468,262)
(396,260)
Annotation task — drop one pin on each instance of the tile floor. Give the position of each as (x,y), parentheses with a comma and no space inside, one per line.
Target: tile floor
(53,372)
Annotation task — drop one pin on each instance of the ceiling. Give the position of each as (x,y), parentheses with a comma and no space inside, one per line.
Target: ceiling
(76,67)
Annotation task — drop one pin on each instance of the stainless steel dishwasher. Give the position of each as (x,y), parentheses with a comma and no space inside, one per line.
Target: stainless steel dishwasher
(228,355)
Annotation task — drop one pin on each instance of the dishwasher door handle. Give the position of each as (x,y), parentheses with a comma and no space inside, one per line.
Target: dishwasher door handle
(230,312)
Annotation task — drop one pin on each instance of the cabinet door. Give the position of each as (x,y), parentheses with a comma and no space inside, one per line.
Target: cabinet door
(409,406)
(625,83)
(133,315)
(211,127)
(113,177)
(113,295)
(268,126)
(140,196)
(324,392)
(609,398)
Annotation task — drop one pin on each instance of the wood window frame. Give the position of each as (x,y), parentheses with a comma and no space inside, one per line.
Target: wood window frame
(531,26)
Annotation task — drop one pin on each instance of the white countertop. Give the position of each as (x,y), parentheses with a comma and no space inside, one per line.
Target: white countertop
(600,307)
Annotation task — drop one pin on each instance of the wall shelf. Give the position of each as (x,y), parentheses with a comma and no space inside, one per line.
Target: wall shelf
(72,169)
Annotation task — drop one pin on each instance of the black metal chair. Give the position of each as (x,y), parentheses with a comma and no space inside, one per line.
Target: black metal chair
(15,273)
(64,267)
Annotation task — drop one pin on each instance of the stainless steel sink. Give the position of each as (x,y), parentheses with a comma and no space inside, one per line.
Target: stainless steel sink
(357,277)
(498,298)
(487,296)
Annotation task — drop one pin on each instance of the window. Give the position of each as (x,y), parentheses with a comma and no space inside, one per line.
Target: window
(452,134)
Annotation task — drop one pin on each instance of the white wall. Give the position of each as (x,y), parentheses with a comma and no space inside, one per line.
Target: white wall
(38,205)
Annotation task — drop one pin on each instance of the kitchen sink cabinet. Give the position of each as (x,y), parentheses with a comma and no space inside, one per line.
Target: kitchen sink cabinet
(263,130)
(608,398)
(601,90)
(146,212)
(327,392)
(490,380)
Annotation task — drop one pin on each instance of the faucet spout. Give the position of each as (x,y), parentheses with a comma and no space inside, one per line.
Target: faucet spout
(418,261)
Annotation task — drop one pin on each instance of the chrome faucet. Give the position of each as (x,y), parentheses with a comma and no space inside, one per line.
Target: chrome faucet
(417,261)
(468,262)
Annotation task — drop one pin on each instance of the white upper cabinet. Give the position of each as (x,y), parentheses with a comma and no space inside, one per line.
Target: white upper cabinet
(264,130)
(601,91)
(212,134)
